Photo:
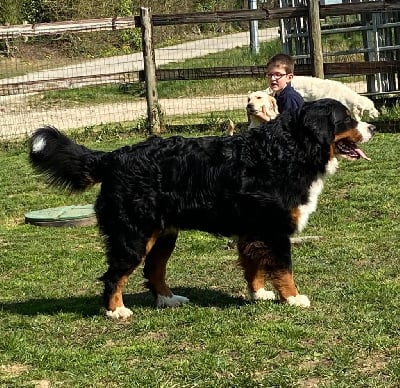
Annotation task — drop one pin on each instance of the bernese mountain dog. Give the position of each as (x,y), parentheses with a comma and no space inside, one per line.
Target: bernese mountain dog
(260,186)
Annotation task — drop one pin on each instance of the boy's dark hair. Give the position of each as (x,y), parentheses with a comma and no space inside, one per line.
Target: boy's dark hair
(282,59)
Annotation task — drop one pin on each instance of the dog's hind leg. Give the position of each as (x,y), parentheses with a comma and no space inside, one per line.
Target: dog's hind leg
(252,259)
(121,264)
(155,269)
(114,281)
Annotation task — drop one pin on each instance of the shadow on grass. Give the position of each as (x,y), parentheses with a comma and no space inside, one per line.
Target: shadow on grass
(88,306)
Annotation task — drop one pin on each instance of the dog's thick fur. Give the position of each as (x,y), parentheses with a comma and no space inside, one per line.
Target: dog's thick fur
(261,107)
(313,88)
(260,186)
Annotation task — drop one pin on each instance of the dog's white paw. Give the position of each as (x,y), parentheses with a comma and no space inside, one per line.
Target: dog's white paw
(119,313)
(263,294)
(299,300)
(170,301)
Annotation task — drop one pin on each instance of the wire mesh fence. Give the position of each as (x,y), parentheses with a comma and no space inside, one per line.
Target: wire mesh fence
(51,88)
(85,73)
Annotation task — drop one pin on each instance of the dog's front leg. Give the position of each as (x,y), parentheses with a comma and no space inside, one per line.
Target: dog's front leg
(261,261)
(283,282)
(280,271)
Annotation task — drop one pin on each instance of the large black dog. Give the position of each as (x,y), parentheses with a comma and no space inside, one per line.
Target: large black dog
(259,186)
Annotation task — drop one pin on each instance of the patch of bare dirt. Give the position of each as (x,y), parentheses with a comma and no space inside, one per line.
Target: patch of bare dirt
(13,370)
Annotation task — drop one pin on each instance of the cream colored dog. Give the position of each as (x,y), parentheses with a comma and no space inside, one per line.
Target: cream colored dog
(312,88)
(261,107)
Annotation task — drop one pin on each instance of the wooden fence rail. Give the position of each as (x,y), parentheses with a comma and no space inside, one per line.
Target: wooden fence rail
(72,26)
(45,85)
(330,69)
(354,68)
(118,23)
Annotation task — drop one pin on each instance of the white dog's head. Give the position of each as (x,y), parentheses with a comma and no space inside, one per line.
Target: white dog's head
(260,107)
(365,106)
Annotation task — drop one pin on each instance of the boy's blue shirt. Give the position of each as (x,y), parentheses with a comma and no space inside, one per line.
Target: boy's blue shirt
(289,99)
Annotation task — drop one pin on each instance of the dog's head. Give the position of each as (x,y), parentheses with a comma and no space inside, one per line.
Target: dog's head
(367,107)
(330,122)
(261,107)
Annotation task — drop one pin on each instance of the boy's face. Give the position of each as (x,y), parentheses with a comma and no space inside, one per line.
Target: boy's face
(278,78)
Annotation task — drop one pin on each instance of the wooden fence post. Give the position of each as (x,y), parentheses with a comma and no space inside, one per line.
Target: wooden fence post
(149,63)
(314,25)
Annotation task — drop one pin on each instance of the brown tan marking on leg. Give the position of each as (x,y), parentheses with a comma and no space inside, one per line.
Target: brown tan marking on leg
(283,282)
(332,151)
(261,260)
(295,215)
(156,268)
(156,263)
(253,274)
(116,299)
(254,258)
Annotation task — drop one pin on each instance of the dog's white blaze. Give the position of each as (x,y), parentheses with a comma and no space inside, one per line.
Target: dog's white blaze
(315,190)
(38,144)
(311,205)
(170,301)
(332,166)
(263,294)
(299,300)
(119,313)
(363,128)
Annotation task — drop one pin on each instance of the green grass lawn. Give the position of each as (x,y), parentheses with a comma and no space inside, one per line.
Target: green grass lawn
(53,332)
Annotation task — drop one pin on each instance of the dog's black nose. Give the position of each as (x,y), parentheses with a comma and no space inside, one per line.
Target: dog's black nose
(371,128)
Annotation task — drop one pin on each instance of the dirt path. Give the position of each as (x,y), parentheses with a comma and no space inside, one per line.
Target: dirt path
(15,124)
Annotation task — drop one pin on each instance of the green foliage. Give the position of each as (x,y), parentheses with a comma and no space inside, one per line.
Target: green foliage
(37,11)
(393,111)
(41,11)
(100,44)
(10,11)
(132,39)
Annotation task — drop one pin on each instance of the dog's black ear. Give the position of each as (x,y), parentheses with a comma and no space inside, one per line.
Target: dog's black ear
(318,121)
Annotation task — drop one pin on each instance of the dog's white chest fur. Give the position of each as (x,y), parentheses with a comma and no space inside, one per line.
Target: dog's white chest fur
(313,194)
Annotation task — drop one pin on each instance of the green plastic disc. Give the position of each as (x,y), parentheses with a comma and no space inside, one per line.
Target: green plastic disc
(75,215)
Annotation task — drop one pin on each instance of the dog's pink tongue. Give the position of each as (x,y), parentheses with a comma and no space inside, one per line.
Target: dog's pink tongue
(361,153)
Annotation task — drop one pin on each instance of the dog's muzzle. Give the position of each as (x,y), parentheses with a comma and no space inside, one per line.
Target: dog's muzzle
(251,109)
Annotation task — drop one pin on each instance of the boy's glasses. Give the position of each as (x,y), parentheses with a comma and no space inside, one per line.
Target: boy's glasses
(277,76)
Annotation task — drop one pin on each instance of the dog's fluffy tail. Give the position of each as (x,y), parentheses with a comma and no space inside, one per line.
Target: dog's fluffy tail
(67,165)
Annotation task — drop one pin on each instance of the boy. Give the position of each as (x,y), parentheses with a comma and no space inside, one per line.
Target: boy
(280,70)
